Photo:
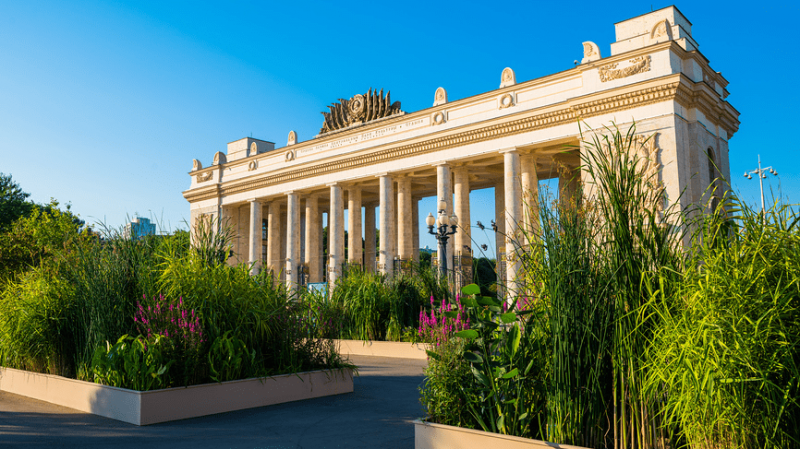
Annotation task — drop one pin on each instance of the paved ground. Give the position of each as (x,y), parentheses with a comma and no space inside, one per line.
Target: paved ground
(378,414)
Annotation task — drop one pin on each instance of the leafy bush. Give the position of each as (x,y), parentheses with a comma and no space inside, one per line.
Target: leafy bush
(137,363)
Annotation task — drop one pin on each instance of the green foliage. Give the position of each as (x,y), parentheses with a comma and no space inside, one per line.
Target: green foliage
(136,363)
(60,316)
(33,239)
(442,391)
(728,352)
(35,314)
(13,202)
(228,358)
(365,306)
(503,390)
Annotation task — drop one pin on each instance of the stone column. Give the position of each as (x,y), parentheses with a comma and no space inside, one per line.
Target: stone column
(354,256)
(568,183)
(444,192)
(313,230)
(254,249)
(282,260)
(335,236)
(415,227)
(369,238)
(463,238)
(513,203)
(530,197)
(500,238)
(405,233)
(274,237)
(292,240)
(386,225)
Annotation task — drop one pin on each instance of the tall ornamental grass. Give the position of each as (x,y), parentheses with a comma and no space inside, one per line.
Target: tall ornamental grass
(728,350)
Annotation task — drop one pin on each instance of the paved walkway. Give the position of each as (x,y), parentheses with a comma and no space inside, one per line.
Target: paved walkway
(378,414)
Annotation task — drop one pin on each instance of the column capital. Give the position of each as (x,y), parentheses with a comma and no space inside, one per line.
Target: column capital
(510,150)
(442,163)
(333,184)
(254,200)
(384,174)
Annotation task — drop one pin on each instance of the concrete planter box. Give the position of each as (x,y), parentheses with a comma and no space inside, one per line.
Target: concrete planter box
(151,407)
(439,436)
(396,349)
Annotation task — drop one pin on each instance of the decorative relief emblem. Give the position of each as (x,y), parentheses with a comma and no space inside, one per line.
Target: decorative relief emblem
(292,138)
(647,151)
(661,32)
(252,165)
(196,165)
(507,78)
(437,119)
(359,109)
(506,101)
(289,156)
(203,177)
(638,65)
(440,97)
(253,149)
(219,158)
(591,52)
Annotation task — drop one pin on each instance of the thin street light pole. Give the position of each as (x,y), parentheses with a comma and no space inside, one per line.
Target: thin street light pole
(761,173)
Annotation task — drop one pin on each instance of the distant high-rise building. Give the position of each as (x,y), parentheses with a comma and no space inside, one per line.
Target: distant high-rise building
(138,228)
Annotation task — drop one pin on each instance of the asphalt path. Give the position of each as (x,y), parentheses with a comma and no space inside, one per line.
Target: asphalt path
(378,414)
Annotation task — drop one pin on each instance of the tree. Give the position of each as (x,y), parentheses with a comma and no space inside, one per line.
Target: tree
(13,202)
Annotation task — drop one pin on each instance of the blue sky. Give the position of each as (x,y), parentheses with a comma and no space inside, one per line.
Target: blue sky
(104,105)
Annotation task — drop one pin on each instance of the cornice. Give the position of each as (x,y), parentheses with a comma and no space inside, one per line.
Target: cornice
(202,193)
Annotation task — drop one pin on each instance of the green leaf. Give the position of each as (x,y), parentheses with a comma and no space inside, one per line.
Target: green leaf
(432,354)
(495,309)
(469,302)
(469,334)
(509,317)
(512,342)
(511,374)
(481,377)
(451,314)
(472,357)
(487,301)
(471,289)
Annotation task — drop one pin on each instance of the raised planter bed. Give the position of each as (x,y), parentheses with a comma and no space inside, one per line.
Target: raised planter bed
(439,436)
(396,349)
(151,407)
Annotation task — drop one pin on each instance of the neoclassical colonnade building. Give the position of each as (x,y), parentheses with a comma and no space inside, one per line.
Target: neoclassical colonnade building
(370,154)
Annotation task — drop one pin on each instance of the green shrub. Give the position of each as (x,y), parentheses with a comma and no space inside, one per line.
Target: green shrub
(136,363)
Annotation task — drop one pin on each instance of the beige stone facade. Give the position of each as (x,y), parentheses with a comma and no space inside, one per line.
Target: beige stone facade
(506,138)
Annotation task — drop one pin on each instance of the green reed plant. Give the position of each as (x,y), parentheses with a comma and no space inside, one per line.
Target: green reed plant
(563,273)
(638,242)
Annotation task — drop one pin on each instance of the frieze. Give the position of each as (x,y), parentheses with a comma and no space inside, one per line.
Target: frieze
(361,137)
(203,177)
(638,65)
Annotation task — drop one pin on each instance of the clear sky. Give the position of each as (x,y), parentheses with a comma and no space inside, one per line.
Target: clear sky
(105,104)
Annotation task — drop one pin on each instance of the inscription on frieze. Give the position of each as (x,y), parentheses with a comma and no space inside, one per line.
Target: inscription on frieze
(378,133)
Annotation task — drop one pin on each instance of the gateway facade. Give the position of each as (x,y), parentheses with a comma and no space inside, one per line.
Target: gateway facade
(370,154)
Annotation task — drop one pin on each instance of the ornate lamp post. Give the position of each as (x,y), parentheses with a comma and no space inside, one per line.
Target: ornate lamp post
(761,173)
(441,233)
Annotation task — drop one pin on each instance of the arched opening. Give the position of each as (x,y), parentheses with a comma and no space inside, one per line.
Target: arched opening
(712,179)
